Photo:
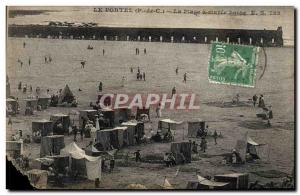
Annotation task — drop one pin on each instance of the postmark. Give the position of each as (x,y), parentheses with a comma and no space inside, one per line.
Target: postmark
(233,64)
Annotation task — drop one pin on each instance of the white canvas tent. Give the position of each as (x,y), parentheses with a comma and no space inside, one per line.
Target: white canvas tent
(249,146)
(167,124)
(92,164)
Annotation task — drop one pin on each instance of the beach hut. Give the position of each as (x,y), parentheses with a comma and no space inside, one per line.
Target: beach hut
(14,149)
(109,115)
(135,131)
(164,125)
(131,132)
(44,102)
(51,145)
(122,136)
(64,119)
(41,128)
(88,115)
(108,139)
(181,152)
(12,107)
(237,181)
(194,126)
(122,114)
(38,178)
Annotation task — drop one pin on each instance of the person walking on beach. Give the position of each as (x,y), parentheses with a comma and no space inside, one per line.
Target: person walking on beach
(173,91)
(100,86)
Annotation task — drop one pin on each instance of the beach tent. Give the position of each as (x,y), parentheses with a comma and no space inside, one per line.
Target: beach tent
(44,102)
(109,115)
(167,124)
(66,95)
(194,126)
(205,184)
(247,146)
(11,106)
(236,180)
(81,163)
(91,150)
(122,114)
(51,145)
(181,152)
(64,119)
(88,115)
(41,128)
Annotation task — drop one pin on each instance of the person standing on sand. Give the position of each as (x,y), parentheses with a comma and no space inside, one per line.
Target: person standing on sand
(184,77)
(176,70)
(203,144)
(254,98)
(144,76)
(158,111)
(82,64)
(145,51)
(103,52)
(100,86)
(131,70)
(138,156)
(215,135)
(75,133)
(29,61)
(123,81)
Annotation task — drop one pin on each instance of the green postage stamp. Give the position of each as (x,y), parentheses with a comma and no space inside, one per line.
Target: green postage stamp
(233,64)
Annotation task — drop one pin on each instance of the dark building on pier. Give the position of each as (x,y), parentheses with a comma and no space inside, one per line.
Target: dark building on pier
(268,38)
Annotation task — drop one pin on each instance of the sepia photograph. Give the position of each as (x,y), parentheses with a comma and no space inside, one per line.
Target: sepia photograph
(195,98)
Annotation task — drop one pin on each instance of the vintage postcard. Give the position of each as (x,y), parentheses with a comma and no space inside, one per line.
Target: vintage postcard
(151,98)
